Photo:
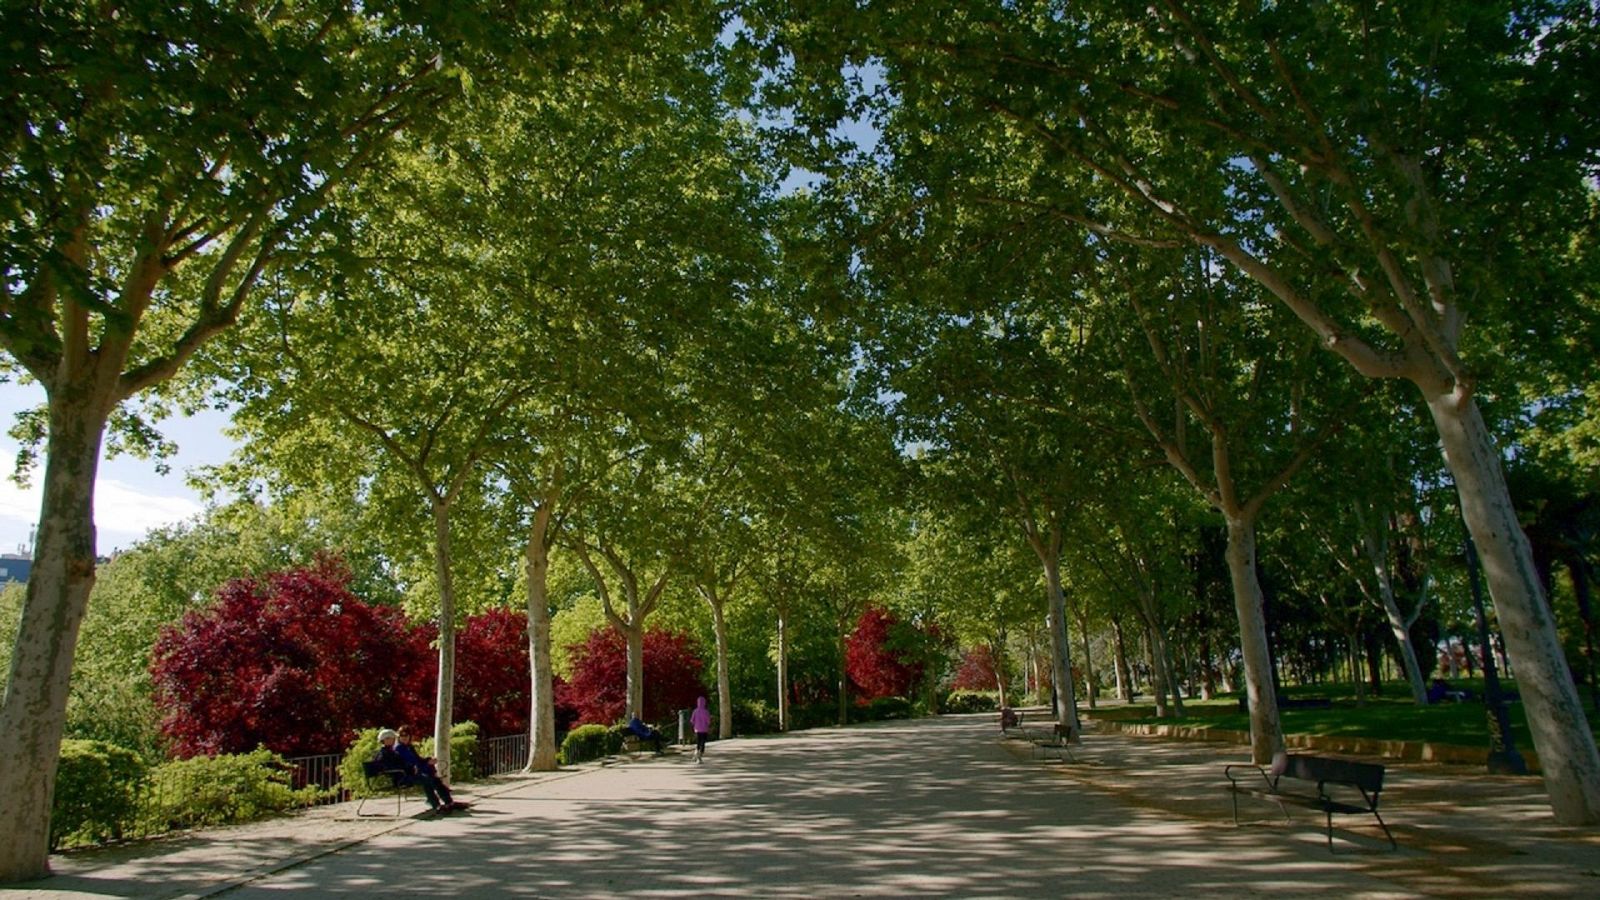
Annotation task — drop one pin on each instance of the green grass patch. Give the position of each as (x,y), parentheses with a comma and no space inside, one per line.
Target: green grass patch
(1391,716)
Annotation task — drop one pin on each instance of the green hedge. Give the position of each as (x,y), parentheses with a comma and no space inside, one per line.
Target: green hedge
(588,742)
(220,790)
(881,708)
(971,701)
(98,786)
(754,717)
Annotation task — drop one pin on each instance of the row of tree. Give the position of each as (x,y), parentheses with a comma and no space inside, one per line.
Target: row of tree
(1114,276)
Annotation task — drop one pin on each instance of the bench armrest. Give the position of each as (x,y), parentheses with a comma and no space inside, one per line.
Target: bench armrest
(1244,769)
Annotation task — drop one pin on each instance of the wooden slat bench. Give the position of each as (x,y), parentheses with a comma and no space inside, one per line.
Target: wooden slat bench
(1289,780)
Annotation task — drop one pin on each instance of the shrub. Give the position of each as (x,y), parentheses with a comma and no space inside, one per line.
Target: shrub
(880,708)
(352,775)
(588,742)
(971,701)
(754,717)
(813,715)
(463,751)
(292,661)
(219,790)
(97,792)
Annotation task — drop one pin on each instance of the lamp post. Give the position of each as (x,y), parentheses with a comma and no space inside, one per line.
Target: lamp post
(1503,756)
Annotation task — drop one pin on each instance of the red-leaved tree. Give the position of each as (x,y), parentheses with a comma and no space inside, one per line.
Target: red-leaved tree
(492,672)
(878,658)
(976,671)
(292,661)
(599,686)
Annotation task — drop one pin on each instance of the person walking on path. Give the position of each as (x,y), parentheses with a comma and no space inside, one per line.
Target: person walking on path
(701,721)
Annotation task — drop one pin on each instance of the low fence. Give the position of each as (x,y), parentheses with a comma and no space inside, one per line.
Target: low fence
(195,793)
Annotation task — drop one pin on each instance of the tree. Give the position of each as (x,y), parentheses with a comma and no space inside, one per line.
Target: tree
(162,157)
(875,665)
(491,682)
(291,661)
(1385,172)
(598,687)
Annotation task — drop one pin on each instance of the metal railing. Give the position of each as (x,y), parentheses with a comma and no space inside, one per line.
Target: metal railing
(500,755)
(321,771)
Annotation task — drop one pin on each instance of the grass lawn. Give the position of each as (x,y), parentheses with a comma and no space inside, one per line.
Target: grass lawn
(1391,716)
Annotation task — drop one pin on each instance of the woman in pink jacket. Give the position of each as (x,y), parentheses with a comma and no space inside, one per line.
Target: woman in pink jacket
(701,720)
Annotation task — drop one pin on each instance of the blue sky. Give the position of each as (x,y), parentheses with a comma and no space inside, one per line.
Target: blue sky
(131,497)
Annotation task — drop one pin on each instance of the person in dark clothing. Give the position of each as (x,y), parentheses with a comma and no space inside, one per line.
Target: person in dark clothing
(644,732)
(400,755)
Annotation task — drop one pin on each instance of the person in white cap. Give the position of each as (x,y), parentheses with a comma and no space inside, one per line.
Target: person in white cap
(434,788)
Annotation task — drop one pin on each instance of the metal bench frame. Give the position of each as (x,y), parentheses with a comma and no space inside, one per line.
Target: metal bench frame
(1358,778)
(397,782)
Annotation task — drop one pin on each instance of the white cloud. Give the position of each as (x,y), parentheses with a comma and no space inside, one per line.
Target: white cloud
(122,513)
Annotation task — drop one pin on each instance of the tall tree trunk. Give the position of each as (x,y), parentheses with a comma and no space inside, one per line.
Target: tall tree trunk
(1208,671)
(997,655)
(1124,677)
(1091,688)
(783,666)
(634,634)
(724,686)
(1567,753)
(1578,568)
(445,695)
(33,711)
(1378,557)
(1158,677)
(1266,733)
(844,676)
(1173,681)
(1060,650)
(542,755)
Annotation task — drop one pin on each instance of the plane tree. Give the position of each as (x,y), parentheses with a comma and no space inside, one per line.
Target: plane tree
(159,161)
(1394,177)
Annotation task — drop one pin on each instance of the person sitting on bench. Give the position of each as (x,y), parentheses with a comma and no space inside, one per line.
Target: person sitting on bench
(415,770)
(644,732)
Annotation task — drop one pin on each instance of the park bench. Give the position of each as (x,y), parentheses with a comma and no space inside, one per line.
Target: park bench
(1289,779)
(634,744)
(383,780)
(1058,740)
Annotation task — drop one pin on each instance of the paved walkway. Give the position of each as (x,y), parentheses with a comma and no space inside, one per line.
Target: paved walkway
(930,807)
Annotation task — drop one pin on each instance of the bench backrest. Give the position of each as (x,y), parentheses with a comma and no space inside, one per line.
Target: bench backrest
(1365,776)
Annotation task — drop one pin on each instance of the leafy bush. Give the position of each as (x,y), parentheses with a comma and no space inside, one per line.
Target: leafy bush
(880,708)
(352,775)
(219,790)
(588,742)
(971,701)
(463,751)
(97,792)
(754,717)
(813,715)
